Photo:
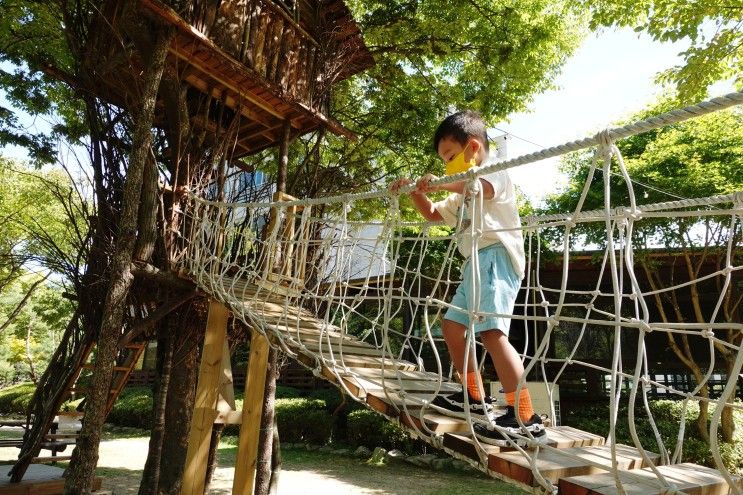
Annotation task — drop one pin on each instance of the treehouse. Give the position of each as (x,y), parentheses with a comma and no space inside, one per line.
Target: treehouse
(270,62)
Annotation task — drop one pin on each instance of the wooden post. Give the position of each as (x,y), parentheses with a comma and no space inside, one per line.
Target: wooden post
(247,449)
(207,392)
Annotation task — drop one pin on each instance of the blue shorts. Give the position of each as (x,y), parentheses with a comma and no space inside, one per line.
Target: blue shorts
(499,285)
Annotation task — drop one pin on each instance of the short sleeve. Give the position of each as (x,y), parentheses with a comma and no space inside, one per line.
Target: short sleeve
(500,181)
(448,208)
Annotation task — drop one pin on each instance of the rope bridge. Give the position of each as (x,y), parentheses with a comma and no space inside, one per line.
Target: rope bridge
(360,302)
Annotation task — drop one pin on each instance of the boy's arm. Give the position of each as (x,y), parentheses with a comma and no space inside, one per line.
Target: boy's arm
(420,200)
(424,186)
(425,206)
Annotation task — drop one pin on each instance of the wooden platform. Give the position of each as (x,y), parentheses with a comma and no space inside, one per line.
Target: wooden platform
(398,390)
(689,478)
(40,479)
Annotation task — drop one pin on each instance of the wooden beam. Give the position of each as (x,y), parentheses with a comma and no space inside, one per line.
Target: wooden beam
(247,449)
(207,391)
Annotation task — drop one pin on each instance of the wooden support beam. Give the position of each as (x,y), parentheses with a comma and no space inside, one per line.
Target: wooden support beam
(207,391)
(247,450)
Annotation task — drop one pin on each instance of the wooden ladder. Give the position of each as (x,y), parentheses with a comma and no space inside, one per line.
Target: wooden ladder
(129,355)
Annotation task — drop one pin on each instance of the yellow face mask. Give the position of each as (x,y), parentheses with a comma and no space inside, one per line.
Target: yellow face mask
(457,164)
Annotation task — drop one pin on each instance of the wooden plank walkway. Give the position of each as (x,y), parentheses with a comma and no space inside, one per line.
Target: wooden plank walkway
(398,390)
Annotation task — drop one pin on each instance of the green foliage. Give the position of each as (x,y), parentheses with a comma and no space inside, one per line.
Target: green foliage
(15,399)
(303,420)
(370,429)
(34,46)
(44,317)
(133,408)
(714,30)
(430,57)
(697,158)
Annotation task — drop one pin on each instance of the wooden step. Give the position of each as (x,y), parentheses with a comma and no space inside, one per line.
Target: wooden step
(689,478)
(361,386)
(562,437)
(432,421)
(309,359)
(343,349)
(554,465)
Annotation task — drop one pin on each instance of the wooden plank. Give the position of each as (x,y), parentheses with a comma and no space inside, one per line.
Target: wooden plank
(247,449)
(434,422)
(692,479)
(567,436)
(391,404)
(554,465)
(342,350)
(361,386)
(360,361)
(207,391)
(462,443)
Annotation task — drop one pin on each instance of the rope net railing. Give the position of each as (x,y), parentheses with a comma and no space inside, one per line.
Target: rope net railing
(387,282)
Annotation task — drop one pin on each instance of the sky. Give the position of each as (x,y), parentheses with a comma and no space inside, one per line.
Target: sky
(610,77)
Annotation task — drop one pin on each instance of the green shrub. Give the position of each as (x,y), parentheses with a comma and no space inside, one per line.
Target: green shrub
(331,396)
(15,399)
(303,420)
(370,429)
(284,392)
(133,408)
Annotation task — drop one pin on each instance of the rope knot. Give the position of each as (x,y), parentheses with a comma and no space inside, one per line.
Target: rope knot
(727,270)
(738,199)
(604,138)
(645,327)
(570,223)
(553,321)
(708,333)
(473,186)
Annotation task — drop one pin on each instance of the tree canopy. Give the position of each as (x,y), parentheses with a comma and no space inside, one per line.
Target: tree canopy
(714,30)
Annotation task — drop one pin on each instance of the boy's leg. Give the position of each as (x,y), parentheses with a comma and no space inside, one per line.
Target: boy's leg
(509,367)
(456,344)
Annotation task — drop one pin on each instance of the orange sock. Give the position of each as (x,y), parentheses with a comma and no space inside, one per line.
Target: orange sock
(526,410)
(472,385)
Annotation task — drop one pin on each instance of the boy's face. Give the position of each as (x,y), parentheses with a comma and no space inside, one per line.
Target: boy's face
(449,148)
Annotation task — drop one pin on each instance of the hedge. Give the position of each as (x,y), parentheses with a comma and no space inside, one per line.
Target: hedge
(311,420)
(15,399)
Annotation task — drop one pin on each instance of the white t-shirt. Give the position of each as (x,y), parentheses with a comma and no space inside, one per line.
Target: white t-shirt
(500,219)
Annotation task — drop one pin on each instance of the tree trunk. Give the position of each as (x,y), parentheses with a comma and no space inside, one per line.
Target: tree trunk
(80,473)
(265,469)
(151,475)
(189,328)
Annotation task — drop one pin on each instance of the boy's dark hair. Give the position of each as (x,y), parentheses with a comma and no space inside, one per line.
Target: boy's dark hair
(460,127)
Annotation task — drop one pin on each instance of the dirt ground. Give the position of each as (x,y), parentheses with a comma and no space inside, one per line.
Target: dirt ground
(122,460)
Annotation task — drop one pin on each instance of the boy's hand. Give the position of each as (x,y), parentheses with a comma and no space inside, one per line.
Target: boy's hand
(424,186)
(400,183)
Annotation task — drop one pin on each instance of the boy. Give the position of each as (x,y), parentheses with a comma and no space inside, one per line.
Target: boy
(461,142)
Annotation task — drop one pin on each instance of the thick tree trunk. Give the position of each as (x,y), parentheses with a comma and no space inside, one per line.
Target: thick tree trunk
(85,456)
(189,329)
(151,475)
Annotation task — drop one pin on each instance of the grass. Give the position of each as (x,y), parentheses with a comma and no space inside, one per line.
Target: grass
(391,478)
